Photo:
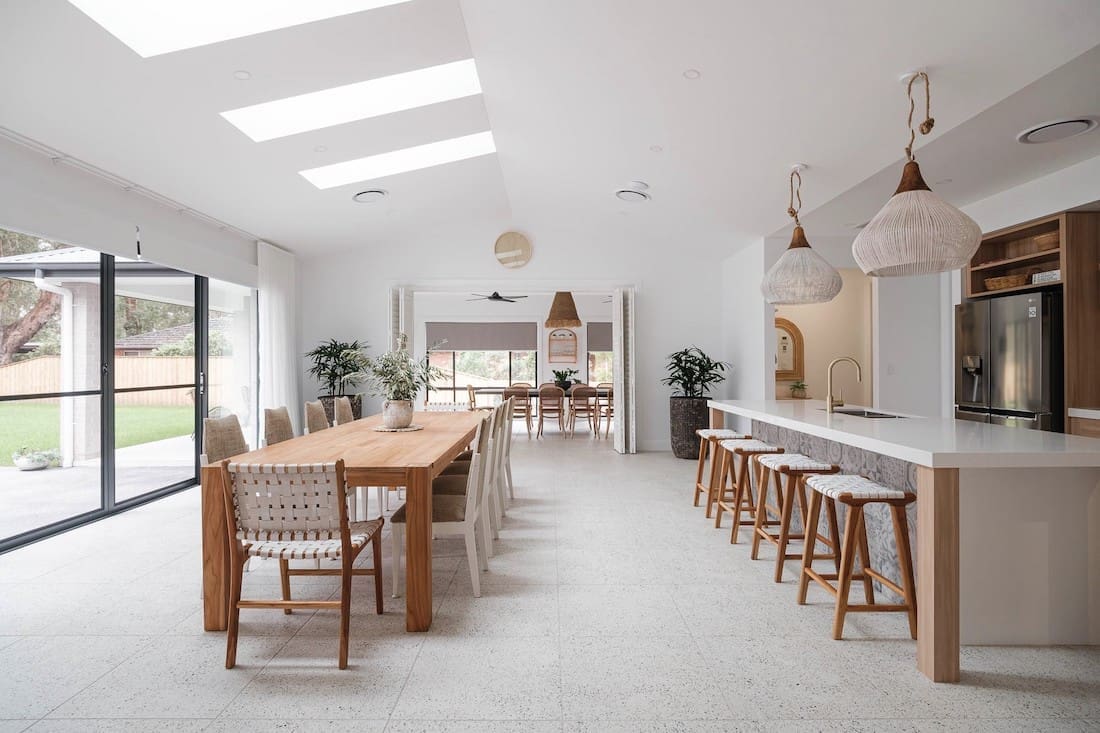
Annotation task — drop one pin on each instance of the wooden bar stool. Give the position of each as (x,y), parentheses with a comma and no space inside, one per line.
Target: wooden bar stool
(739,498)
(792,466)
(856,492)
(708,446)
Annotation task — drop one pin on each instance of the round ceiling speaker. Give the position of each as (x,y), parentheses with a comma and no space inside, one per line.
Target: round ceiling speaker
(1049,132)
(369,196)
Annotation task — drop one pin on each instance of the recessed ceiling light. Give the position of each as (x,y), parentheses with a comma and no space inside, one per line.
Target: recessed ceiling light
(1055,130)
(369,196)
(634,192)
(242,74)
(358,101)
(153,28)
(692,74)
(401,161)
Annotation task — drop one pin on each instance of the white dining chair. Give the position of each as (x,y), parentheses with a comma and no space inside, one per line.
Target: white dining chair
(454,513)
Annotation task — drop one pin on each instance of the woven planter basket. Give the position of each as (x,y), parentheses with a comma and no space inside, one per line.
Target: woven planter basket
(686,415)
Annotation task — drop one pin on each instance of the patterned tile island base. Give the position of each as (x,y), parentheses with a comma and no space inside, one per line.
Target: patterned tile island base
(892,472)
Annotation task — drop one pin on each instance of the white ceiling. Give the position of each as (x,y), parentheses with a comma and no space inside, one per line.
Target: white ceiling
(576,93)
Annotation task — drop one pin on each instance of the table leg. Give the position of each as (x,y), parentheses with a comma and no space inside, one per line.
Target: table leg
(938,573)
(418,549)
(717,418)
(215,552)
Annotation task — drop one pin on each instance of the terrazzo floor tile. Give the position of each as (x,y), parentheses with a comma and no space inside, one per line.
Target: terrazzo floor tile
(173,677)
(296,726)
(15,726)
(473,726)
(517,610)
(485,678)
(616,610)
(662,726)
(639,678)
(51,669)
(304,681)
(146,725)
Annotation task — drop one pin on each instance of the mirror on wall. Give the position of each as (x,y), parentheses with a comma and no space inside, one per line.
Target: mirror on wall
(789,351)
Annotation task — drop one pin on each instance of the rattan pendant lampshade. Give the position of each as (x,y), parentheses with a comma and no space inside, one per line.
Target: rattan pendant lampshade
(916,232)
(563,312)
(800,275)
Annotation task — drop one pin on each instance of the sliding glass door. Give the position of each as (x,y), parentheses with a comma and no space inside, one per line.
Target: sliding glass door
(107,367)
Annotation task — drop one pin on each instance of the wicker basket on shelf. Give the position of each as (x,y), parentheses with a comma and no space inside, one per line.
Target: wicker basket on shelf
(1007,281)
(1046,242)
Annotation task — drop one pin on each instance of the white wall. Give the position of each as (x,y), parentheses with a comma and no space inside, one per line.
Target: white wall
(58,202)
(747,327)
(841,327)
(907,346)
(345,295)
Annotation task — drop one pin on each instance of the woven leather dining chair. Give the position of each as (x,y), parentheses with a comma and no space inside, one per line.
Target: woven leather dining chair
(277,425)
(295,512)
(316,419)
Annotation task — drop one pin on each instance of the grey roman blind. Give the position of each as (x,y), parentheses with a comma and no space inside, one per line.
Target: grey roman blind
(599,336)
(484,336)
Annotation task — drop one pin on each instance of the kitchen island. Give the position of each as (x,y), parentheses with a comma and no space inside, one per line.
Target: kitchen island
(1007,520)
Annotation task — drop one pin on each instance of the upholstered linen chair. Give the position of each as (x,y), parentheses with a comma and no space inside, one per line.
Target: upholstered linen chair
(551,404)
(222,438)
(458,506)
(344,413)
(316,419)
(277,425)
(295,512)
(582,404)
(521,405)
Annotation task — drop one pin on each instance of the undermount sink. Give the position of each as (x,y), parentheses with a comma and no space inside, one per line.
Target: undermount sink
(860,412)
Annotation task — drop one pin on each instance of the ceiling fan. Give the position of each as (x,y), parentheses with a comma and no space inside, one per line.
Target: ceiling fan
(497,297)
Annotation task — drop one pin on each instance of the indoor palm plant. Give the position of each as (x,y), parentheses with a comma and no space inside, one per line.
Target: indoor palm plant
(336,364)
(691,373)
(397,378)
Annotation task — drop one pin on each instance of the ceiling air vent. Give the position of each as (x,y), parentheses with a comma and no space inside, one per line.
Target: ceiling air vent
(1055,130)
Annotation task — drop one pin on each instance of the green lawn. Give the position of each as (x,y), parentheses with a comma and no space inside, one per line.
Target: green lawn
(37,425)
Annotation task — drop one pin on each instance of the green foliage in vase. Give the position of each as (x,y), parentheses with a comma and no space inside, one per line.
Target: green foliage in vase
(564,375)
(395,375)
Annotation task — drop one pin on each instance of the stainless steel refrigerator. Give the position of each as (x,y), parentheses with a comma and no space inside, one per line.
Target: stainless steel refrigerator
(1008,361)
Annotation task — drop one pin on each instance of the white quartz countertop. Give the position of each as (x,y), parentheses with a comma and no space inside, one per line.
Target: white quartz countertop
(927,441)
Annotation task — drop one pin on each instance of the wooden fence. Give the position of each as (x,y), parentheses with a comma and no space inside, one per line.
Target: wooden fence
(43,374)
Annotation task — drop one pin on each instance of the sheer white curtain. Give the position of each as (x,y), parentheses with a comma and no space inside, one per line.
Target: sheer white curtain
(278,301)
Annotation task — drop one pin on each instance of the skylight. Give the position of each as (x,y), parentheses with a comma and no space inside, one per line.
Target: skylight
(357,101)
(401,161)
(153,27)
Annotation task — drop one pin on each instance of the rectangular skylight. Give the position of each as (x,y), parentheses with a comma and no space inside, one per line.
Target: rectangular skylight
(357,101)
(401,161)
(153,27)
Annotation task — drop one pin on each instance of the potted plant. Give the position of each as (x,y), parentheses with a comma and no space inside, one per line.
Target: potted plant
(691,373)
(397,378)
(32,459)
(564,378)
(336,364)
(798,390)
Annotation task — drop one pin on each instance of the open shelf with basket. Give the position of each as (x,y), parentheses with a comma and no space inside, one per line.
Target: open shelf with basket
(1025,257)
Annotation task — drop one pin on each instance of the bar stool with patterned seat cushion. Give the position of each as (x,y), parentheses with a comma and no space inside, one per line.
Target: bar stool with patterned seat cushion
(855,492)
(295,512)
(736,461)
(708,448)
(792,466)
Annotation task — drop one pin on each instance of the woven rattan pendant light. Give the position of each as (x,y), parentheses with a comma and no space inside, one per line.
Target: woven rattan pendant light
(800,275)
(917,232)
(563,312)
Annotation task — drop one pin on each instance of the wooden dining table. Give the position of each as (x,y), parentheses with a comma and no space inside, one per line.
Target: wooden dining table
(371,458)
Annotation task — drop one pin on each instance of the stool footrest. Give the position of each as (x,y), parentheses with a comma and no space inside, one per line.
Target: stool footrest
(885,581)
(876,607)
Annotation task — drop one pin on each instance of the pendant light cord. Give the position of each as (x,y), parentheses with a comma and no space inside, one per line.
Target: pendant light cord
(796,193)
(926,126)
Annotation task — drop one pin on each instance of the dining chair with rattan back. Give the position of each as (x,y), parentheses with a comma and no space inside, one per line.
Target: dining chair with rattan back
(605,406)
(582,404)
(551,404)
(521,405)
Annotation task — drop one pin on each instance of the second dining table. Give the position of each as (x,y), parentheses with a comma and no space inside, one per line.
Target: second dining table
(371,458)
